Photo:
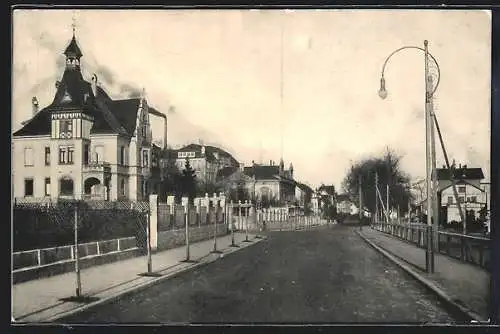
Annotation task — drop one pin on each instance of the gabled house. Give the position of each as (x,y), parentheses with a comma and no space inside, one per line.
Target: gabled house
(84,144)
(272,183)
(471,192)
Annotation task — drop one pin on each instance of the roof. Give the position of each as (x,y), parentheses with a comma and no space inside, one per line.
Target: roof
(210,152)
(72,49)
(328,189)
(304,187)
(261,172)
(461,174)
(225,172)
(73,92)
(343,197)
(155,112)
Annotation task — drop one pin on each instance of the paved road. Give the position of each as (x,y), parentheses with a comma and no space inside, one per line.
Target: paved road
(327,275)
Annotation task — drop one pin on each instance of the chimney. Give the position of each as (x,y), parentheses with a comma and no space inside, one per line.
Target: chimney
(242,166)
(459,166)
(203,150)
(94,84)
(34,103)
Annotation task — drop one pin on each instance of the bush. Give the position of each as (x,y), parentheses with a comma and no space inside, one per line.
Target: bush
(44,227)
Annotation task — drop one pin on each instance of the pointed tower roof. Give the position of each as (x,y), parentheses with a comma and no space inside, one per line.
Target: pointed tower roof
(73,49)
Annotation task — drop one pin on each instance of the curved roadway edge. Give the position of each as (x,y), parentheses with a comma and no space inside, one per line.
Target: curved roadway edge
(442,295)
(166,274)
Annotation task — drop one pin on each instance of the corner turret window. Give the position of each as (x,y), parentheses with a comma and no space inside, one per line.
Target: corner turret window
(65,129)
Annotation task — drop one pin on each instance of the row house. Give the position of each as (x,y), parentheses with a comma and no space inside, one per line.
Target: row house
(84,144)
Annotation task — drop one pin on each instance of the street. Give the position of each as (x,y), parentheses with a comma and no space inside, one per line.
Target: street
(320,276)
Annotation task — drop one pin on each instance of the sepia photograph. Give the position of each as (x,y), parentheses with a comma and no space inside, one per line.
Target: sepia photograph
(251,166)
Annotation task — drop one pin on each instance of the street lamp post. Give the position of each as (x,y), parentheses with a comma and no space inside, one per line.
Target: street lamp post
(430,153)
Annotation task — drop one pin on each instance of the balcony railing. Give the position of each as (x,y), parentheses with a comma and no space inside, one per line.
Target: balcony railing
(95,166)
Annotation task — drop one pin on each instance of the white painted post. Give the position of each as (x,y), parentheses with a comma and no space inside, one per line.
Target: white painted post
(97,246)
(118,246)
(39,257)
(153,221)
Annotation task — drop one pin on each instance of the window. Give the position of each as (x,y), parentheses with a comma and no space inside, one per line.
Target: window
(122,155)
(66,187)
(473,199)
(450,199)
(28,187)
(145,158)
(86,151)
(47,186)
(28,156)
(122,187)
(66,154)
(461,199)
(461,189)
(71,150)
(65,128)
(47,156)
(99,153)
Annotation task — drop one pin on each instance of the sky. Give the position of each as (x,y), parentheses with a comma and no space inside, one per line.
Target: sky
(264,83)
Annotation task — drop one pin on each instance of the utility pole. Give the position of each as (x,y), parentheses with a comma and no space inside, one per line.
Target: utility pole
(387,204)
(428,127)
(360,203)
(435,204)
(376,198)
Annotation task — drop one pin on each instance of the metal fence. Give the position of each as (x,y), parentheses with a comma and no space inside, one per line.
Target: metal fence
(46,256)
(471,249)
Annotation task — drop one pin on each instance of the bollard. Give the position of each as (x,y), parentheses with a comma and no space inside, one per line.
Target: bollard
(77,257)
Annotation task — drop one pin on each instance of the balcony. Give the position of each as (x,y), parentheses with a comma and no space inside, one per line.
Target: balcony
(97,167)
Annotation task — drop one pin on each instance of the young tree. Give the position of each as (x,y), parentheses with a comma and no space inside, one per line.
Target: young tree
(188,184)
(171,175)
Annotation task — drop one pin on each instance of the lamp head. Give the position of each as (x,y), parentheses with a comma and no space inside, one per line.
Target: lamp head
(382,91)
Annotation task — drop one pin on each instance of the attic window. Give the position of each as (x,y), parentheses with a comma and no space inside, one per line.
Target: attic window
(66,97)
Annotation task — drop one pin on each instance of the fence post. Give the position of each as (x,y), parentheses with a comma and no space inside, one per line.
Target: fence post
(247,211)
(215,226)
(77,258)
(97,246)
(148,241)
(186,219)
(39,257)
(233,244)
(118,246)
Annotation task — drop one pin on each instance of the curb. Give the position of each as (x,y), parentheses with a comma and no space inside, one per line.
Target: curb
(203,260)
(441,294)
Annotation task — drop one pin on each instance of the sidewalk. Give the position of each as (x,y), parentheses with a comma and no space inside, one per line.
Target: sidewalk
(40,300)
(465,285)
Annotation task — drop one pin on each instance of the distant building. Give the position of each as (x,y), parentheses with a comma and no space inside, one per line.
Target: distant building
(345,205)
(472,194)
(205,160)
(272,183)
(84,145)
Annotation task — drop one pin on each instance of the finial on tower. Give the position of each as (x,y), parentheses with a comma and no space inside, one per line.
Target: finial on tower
(73,24)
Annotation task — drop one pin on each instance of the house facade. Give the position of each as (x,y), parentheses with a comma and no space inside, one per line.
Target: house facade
(205,160)
(83,145)
(272,183)
(472,194)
